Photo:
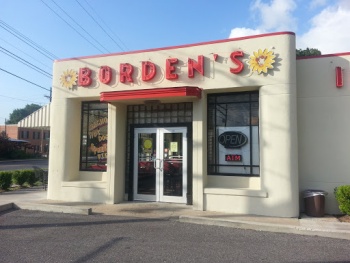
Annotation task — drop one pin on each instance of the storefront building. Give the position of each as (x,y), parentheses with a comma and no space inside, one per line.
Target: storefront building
(215,125)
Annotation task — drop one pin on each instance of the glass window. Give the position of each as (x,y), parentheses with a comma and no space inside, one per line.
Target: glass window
(233,134)
(93,147)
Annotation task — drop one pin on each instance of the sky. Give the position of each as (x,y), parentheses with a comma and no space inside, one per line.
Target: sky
(33,33)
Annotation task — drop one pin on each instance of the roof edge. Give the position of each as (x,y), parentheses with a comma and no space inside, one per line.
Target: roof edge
(180,46)
(325,55)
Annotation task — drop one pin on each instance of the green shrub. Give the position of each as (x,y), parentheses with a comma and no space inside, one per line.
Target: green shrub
(342,194)
(5,180)
(30,176)
(19,177)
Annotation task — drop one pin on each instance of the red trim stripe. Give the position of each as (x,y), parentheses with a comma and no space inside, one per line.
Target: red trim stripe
(151,94)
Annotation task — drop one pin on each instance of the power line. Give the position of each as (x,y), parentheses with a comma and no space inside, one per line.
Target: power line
(24,79)
(25,62)
(25,53)
(99,25)
(27,40)
(80,26)
(72,27)
(21,99)
(106,25)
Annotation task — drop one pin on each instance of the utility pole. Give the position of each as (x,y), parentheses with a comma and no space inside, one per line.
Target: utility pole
(49,97)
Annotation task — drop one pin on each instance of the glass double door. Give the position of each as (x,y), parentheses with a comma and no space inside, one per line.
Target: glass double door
(160,164)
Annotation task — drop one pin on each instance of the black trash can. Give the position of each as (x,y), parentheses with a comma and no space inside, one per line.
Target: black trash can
(314,201)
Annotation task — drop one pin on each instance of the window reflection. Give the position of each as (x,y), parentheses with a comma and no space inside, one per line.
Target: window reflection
(94,136)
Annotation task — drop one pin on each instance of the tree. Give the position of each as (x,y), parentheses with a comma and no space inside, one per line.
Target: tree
(308,52)
(5,145)
(19,114)
(11,149)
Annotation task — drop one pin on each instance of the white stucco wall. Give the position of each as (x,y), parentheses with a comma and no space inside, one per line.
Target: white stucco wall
(274,193)
(324,126)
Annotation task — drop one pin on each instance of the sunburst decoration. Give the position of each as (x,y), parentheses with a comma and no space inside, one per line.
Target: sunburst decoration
(262,61)
(69,78)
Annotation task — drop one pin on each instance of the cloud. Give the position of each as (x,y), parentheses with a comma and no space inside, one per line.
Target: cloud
(329,30)
(317,3)
(242,31)
(275,16)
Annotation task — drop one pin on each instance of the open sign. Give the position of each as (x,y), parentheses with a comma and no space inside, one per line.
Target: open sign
(232,139)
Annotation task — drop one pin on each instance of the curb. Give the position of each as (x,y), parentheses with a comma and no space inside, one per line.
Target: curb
(261,226)
(6,207)
(302,227)
(47,208)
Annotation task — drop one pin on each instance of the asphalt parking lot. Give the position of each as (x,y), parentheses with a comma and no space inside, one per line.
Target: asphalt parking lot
(32,236)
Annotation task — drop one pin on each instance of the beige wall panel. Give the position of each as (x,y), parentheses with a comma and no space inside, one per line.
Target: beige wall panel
(199,149)
(118,130)
(96,192)
(217,181)
(324,126)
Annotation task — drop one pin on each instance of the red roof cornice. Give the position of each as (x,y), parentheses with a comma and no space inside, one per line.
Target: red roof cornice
(181,46)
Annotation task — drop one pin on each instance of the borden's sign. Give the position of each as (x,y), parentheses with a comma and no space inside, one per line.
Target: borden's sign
(261,61)
(149,70)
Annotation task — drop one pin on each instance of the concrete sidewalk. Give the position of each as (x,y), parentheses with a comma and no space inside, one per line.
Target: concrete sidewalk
(35,199)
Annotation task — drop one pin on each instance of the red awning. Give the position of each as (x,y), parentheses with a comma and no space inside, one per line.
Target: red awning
(149,94)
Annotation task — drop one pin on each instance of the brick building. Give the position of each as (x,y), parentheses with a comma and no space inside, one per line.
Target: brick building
(33,129)
(37,138)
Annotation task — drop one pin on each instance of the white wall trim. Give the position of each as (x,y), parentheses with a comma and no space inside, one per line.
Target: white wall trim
(85,184)
(237,192)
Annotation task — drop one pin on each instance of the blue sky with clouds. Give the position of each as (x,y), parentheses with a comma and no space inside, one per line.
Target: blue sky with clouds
(71,28)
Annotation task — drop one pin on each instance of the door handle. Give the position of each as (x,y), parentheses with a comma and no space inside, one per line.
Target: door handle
(160,164)
(155,163)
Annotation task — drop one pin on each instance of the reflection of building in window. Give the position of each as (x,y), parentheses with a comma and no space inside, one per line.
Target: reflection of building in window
(232,117)
(94,136)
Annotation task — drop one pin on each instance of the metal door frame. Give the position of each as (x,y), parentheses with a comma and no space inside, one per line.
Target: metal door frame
(158,162)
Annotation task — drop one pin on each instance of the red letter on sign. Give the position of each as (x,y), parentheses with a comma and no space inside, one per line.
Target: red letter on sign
(148,70)
(170,69)
(105,74)
(84,78)
(199,66)
(126,71)
(338,77)
(240,65)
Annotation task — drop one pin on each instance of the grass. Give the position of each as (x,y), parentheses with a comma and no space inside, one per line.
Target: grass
(15,187)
